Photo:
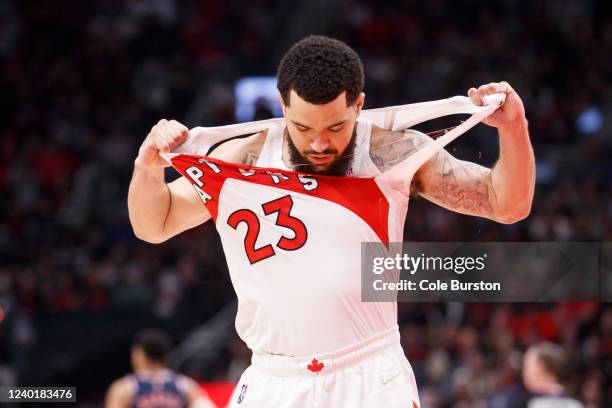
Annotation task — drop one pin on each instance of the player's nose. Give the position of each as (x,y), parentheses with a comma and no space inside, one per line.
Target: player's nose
(319,144)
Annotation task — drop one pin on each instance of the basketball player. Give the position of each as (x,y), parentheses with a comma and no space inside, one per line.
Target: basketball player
(314,342)
(153,385)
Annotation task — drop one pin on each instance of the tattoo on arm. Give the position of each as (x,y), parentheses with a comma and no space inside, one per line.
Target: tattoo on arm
(451,183)
(457,185)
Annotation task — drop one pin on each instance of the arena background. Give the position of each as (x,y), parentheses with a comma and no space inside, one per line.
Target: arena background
(82,82)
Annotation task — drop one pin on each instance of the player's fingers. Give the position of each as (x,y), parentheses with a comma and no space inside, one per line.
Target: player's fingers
(181,131)
(177,135)
(163,138)
(178,125)
(154,128)
(497,87)
(475,96)
(506,88)
(168,134)
(487,89)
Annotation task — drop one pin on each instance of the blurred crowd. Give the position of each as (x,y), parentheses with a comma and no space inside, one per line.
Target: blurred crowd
(471,355)
(83,82)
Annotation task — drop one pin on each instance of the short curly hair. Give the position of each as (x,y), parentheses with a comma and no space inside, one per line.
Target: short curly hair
(319,69)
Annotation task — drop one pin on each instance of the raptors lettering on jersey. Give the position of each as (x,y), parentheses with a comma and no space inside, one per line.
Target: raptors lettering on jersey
(355,194)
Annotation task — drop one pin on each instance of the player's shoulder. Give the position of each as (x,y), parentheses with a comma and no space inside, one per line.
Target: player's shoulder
(384,137)
(185,383)
(127,383)
(121,391)
(196,396)
(243,149)
(389,147)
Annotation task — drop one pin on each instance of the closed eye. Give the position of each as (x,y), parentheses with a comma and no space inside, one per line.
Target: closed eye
(336,129)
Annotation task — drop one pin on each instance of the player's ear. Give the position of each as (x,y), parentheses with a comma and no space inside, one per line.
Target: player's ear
(359,103)
(282,103)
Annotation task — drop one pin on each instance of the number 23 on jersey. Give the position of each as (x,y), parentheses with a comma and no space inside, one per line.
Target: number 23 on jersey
(282,206)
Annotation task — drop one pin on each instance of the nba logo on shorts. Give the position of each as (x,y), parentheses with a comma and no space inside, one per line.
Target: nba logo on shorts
(242,392)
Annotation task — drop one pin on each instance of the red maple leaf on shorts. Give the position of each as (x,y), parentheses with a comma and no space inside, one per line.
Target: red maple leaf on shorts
(315,366)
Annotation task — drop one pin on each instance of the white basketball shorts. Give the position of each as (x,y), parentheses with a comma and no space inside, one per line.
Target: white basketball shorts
(371,374)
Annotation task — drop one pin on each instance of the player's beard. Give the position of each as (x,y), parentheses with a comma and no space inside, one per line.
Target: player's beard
(339,167)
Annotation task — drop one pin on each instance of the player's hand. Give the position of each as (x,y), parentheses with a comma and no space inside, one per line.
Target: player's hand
(512,112)
(163,137)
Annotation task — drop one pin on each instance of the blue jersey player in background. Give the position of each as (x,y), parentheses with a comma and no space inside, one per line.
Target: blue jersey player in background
(153,385)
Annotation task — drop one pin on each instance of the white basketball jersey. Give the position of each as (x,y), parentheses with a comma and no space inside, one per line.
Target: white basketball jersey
(293,241)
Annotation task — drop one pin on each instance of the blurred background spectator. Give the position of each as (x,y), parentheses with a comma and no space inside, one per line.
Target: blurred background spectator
(83,82)
(544,371)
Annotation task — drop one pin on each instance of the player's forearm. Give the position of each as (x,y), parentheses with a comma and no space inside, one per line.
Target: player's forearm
(148,203)
(513,176)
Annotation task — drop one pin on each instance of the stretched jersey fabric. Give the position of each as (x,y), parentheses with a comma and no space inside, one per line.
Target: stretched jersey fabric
(293,241)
